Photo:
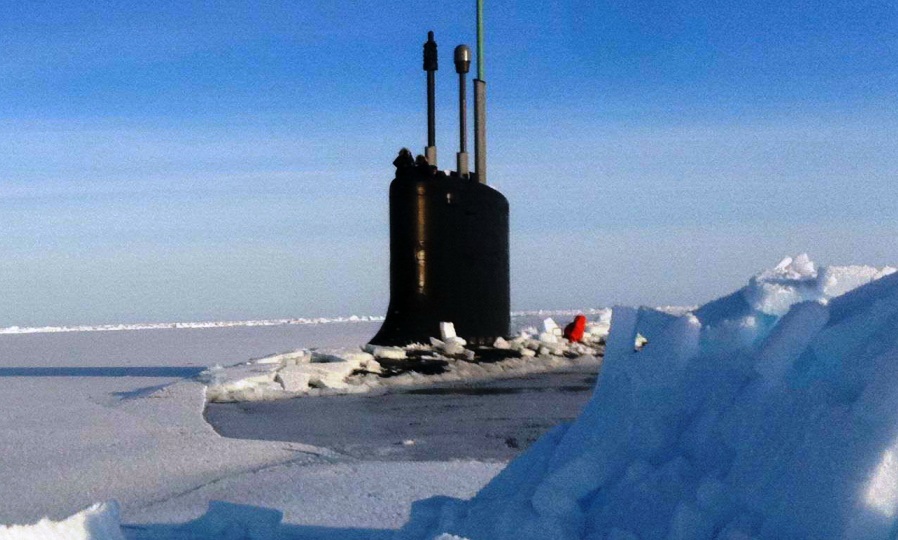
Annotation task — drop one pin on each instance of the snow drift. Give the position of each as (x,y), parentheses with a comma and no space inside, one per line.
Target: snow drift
(99,522)
(770,413)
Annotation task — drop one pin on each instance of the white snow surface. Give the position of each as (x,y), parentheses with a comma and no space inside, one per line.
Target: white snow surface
(101,521)
(797,279)
(91,417)
(184,325)
(768,414)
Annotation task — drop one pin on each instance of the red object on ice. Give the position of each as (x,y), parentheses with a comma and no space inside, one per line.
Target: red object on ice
(574,331)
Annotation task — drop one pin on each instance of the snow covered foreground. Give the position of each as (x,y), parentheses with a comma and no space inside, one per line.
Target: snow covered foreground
(97,416)
(99,522)
(770,413)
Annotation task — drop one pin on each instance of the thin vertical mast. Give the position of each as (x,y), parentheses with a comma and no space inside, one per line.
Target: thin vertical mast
(480,39)
(430,66)
(462,66)
(480,104)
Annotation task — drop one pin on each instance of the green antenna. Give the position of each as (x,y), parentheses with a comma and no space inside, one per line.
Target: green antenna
(480,104)
(480,39)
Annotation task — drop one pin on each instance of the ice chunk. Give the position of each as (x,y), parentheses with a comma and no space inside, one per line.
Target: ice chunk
(371,365)
(329,375)
(623,332)
(838,280)
(501,343)
(453,348)
(597,330)
(447,331)
(293,380)
(768,413)
(789,338)
(390,353)
(99,522)
(456,341)
(301,356)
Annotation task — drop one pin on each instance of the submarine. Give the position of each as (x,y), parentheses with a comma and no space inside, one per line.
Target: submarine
(449,230)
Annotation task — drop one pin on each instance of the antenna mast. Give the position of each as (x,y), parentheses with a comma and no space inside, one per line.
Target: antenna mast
(430,66)
(480,104)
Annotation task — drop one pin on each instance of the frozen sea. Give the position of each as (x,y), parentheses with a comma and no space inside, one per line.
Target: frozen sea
(91,416)
(483,421)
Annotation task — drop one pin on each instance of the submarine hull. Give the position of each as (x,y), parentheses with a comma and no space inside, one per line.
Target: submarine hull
(449,259)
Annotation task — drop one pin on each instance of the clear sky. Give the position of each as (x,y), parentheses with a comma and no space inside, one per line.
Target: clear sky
(230,160)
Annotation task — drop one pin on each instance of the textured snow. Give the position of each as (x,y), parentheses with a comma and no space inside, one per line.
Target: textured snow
(184,325)
(101,521)
(97,416)
(767,414)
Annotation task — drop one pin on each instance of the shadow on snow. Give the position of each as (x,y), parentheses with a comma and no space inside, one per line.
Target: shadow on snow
(102,371)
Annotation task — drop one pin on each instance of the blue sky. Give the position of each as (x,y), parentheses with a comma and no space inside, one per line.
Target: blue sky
(195,161)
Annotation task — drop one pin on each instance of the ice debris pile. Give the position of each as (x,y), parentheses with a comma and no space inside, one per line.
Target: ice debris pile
(770,413)
(375,368)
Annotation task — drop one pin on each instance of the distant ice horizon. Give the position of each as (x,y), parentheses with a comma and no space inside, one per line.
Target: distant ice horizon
(16,329)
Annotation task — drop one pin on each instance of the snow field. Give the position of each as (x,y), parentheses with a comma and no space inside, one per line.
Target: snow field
(184,325)
(767,414)
(78,428)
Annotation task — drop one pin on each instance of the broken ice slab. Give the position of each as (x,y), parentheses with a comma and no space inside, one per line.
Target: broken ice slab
(447,331)
(551,327)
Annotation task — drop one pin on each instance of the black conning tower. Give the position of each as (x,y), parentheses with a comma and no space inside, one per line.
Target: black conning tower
(449,253)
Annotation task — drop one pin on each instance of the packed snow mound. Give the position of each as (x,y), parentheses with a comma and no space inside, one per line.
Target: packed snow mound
(795,280)
(768,414)
(772,292)
(98,522)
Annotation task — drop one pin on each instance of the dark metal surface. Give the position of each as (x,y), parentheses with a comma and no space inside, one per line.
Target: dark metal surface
(449,258)
(480,130)
(462,65)
(462,114)
(462,57)
(431,66)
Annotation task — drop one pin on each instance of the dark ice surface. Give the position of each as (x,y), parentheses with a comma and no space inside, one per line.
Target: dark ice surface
(493,420)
